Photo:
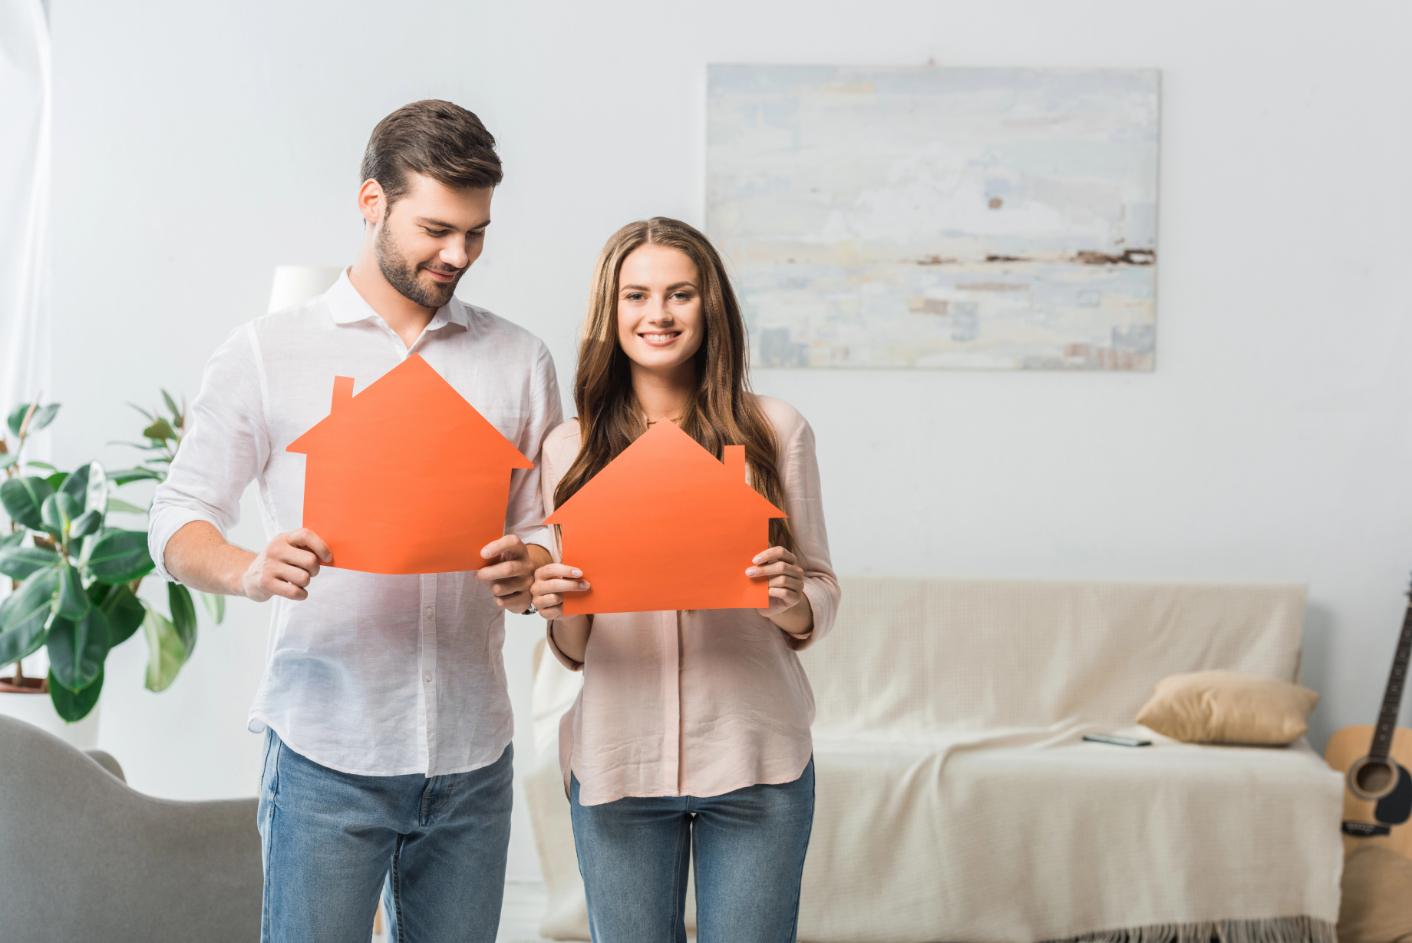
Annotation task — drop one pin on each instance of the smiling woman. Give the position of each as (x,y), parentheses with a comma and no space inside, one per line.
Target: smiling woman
(664,338)
(692,727)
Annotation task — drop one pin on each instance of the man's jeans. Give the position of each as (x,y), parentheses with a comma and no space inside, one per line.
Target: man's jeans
(330,840)
(749,855)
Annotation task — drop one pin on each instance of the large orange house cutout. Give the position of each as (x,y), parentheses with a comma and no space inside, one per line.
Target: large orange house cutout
(666,526)
(406,477)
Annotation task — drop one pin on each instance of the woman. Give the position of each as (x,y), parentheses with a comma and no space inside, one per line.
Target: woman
(692,728)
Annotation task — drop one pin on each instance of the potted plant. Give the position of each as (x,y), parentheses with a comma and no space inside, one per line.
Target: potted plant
(74,577)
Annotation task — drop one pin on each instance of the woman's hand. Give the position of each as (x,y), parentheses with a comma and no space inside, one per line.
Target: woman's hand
(785,580)
(570,633)
(551,582)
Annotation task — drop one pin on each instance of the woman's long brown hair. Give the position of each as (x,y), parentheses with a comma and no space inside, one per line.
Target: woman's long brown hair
(721,412)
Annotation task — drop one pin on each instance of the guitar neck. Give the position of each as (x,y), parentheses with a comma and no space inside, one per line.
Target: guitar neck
(1392,698)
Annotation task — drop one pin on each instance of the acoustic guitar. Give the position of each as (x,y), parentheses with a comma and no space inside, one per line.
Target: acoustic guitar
(1377,800)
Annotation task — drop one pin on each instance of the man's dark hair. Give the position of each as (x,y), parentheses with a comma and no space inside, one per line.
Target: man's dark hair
(441,140)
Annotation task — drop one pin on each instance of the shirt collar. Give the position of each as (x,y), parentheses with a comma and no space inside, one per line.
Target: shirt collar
(346,306)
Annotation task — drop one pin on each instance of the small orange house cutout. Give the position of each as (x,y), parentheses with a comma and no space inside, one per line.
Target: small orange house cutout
(406,477)
(666,526)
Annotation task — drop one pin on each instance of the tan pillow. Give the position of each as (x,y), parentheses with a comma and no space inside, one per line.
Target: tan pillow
(1377,889)
(1229,707)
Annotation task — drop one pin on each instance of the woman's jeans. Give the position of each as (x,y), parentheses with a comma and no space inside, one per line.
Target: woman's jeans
(748,849)
(330,841)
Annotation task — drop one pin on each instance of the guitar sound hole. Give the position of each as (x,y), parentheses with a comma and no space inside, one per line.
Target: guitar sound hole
(1374,777)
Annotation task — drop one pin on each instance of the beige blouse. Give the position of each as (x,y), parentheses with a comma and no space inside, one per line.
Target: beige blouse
(698,702)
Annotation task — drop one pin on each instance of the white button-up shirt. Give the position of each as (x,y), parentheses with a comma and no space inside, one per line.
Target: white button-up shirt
(379,675)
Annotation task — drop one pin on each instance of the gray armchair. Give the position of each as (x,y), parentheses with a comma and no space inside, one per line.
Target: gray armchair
(84,857)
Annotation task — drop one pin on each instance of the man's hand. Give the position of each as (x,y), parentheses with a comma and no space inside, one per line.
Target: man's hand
(285,566)
(510,575)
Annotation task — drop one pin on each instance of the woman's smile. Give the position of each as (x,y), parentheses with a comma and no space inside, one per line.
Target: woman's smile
(659,338)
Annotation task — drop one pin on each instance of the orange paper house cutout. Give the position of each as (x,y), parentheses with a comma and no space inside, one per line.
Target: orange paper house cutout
(666,526)
(406,477)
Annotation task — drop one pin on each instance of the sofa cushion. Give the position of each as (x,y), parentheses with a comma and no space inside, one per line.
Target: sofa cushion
(923,657)
(1229,707)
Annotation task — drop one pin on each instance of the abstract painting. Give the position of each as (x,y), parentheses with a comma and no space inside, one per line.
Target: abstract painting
(938,218)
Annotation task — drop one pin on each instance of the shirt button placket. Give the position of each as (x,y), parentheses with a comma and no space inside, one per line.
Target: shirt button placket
(429,652)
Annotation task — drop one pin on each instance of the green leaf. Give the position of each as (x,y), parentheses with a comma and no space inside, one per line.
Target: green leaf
(165,653)
(144,412)
(96,497)
(16,418)
(139,473)
(13,539)
(19,562)
(74,705)
(161,430)
(58,512)
(51,516)
(76,486)
(86,523)
(171,405)
(8,458)
(120,556)
(85,549)
(42,417)
(123,609)
(215,604)
(24,500)
(56,480)
(183,615)
(23,615)
(44,465)
(120,506)
(72,601)
(77,649)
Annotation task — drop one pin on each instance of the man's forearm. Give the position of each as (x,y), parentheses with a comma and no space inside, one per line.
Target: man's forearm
(202,559)
(538,555)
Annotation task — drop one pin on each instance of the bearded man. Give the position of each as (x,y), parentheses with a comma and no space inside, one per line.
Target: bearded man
(383,704)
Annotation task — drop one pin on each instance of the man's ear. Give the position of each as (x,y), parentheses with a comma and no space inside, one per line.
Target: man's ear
(372,202)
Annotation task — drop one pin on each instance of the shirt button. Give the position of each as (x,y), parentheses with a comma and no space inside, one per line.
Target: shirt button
(428,612)
(426,675)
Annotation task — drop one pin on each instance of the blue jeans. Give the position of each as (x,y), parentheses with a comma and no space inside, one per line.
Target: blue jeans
(435,846)
(748,847)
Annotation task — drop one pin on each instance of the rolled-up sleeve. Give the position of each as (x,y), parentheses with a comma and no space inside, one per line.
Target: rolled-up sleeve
(804,503)
(224,449)
(525,513)
(557,652)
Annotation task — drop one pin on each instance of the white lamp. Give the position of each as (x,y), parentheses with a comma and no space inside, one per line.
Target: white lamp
(294,284)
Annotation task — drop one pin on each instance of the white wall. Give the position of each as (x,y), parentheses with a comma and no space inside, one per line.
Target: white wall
(198,145)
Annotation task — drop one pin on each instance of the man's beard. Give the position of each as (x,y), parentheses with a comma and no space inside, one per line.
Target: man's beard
(402,274)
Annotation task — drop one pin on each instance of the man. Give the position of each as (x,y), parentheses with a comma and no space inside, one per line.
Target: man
(386,718)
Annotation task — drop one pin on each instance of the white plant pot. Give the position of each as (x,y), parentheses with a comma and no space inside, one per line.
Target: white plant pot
(37,709)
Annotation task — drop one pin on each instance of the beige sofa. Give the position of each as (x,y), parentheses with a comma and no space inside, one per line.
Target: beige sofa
(957,800)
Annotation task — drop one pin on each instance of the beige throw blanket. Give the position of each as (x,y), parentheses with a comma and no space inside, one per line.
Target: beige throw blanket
(956,800)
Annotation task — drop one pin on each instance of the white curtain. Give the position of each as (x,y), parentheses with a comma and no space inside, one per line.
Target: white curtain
(26,92)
